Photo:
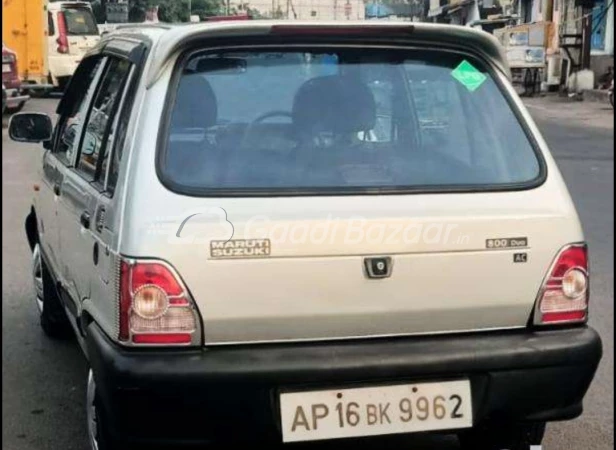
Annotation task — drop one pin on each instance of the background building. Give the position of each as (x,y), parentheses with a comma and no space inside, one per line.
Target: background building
(582,43)
(306,9)
(602,40)
(413,10)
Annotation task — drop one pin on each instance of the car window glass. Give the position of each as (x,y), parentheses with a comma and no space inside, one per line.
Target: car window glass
(80,21)
(69,124)
(343,120)
(50,25)
(97,136)
(443,123)
(113,155)
(381,84)
(116,158)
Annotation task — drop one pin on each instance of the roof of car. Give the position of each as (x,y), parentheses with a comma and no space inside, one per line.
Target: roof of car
(57,5)
(168,39)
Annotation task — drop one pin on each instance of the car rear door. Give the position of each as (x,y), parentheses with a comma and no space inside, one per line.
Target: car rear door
(84,204)
(46,206)
(59,159)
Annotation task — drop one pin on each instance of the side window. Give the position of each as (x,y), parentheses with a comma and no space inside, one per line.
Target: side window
(51,28)
(98,134)
(69,125)
(118,135)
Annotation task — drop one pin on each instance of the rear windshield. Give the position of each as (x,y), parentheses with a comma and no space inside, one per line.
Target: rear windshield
(342,120)
(80,21)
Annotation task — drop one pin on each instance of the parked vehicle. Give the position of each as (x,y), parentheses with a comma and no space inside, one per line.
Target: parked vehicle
(13,97)
(110,27)
(227,18)
(72,32)
(50,38)
(378,243)
(24,29)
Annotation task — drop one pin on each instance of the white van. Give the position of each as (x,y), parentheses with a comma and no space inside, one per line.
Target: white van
(72,32)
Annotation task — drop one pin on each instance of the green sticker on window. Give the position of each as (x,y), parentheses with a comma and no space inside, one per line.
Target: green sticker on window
(469,76)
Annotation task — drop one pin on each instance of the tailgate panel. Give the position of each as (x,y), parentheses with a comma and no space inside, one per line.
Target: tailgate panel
(333,299)
(308,289)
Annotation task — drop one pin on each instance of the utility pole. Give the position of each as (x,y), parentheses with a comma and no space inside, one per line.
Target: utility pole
(586,37)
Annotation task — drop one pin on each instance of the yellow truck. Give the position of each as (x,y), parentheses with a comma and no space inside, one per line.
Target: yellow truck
(49,37)
(25,30)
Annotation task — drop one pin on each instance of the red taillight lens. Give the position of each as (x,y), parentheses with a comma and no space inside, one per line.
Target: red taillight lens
(63,34)
(158,275)
(154,306)
(165,339)
(563,298)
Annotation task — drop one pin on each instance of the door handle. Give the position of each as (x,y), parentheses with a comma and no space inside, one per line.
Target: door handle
(100,219)
(56,189)
(85,219)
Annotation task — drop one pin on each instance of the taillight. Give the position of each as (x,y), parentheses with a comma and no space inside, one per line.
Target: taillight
(563,298)
(154,306)
(63,34)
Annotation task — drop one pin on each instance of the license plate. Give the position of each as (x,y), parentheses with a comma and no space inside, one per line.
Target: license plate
(6,68)
(370,411)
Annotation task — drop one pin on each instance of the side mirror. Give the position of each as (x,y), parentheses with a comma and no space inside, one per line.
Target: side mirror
(30,127)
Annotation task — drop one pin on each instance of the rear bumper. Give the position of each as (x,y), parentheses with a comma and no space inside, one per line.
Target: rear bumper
(198,396)
(63,66)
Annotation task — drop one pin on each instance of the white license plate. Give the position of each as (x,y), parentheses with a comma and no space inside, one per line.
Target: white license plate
(6,68)
(331,414)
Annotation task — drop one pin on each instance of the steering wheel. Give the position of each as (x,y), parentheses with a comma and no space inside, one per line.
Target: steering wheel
(268,115)
(260,119)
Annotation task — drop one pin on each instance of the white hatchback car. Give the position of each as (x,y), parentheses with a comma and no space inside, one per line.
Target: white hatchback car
(282,232)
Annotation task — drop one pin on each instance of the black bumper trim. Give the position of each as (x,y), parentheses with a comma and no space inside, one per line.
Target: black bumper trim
(521,375)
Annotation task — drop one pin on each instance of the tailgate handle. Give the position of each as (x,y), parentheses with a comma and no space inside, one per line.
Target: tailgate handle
(85,219)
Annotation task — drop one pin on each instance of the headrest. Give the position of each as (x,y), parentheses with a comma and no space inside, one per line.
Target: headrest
(195,103)
(334,103)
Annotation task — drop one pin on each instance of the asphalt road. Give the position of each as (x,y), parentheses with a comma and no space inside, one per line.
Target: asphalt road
(43,381)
